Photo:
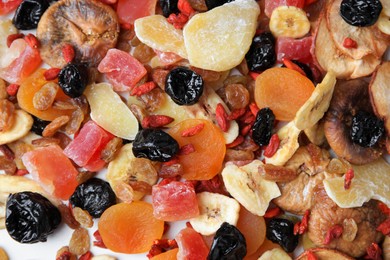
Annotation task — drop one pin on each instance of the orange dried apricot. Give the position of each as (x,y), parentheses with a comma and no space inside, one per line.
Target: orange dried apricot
(130,228)
(169,255)
(206,161)
(282,90)
(32,85)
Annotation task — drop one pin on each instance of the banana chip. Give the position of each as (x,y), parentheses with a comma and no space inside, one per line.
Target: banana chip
(22,125)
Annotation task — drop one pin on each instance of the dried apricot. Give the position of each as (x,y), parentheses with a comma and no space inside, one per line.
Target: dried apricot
(130,228)
(169,255)
(283,90)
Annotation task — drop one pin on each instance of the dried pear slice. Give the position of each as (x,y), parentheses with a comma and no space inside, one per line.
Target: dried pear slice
(90,26)
(380,93)
(332,59)
(369,40)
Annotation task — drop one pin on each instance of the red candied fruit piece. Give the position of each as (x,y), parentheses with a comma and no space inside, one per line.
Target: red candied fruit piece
(191,245)
(130,10)
(294,49)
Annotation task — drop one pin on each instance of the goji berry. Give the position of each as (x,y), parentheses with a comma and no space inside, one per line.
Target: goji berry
(175,160)
(253,108)
(239,140)
(51,73)
(253,75)
(214,185)
(192,130)
(12,89)
(270,213)
(235,114)
(301,227)
(177,20)
(68,52)
(221,117)
(143,89)
(21,172)
(291,65)
(348,178)
(374,252)
(311,256)
(185,7)
(349,43)
(86,256)
(245,130)
(99,241)
(126,26)
(156,121)
(273,146)
(31,40)
(160,246)
(334,232)
(13,37)
(384,227)
(187,149)
(382,206)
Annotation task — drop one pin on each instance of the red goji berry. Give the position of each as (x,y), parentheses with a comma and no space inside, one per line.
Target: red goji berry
(31,40)
(311,256)
(303,225)
(374,252)
(68,52)
(12,37)
(253,75)
(99,241)
(12,89)
(21,172)
(245,130)
(173,161)
(192,130)
(291,65)
(296,228)
(382,206)
(253,108)
(143,89)
(235,114)
(349,43)
(86,256)
(273,146)
(187,149)
(185,7)
(51,73)
(126,26)
(239,140)
(348,178)
(214,185)
(384,227)
(177,20)
(221,117)
(271,213)
(333,233)
(156,121)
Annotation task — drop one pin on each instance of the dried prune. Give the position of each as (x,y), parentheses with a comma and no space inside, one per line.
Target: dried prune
(262,128)
(228,244)
(94,196)
(261,54)
(169,7)
(39,125)
(360,12)
(30,217)
(154,144)
(366,129)
(184,86)
(215,3)
(28,14)
(73,79)
(281,231)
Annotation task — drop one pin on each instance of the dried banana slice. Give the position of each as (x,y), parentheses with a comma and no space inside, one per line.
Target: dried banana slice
(369,40)
(90,26)
(384,23)
(289,21)
(318,103)
(22,125)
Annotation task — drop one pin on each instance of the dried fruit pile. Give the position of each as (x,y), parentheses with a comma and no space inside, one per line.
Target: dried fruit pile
(121,118)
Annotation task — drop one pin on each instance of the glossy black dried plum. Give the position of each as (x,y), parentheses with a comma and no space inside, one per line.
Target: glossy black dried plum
(261,54)
(154,144)
(184,86)
(360,12)
(30,217)
(228,244)
(281,231)
(366,129)
(215,3)
(73,79)
(28,14)
(39,125)
(169,7)
(262,128)
(94,196)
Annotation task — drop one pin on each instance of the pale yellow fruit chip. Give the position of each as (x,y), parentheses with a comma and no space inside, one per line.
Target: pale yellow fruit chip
(371,181)
(219,39)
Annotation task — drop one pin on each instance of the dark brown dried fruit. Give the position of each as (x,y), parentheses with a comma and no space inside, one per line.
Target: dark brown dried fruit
(143,53)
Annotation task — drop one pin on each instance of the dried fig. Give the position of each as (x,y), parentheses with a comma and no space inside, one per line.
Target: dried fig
(90,26)
(350,99)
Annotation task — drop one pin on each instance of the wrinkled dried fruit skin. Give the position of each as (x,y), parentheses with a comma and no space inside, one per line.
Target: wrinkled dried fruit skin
(366,129)
(33,212)
(281,231)
(73,79)
(155,145)
(228,244)
(28,14)
(94,195)
(261,55)
(360,12)
(215,3)
(169,7)
(262,128)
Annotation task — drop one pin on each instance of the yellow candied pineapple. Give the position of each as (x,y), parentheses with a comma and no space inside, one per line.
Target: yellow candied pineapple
(157,33)
(371,181)
(219,39)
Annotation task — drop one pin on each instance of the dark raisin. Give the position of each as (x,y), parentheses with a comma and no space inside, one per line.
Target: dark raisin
(366,129)
(39,125)
(94,196)
(360,12)
(262,128)
(28,14)
(215,3)
(281,231)
(73,79)
(169,7)
(305,68)
(155,144)
(261,54)
(184,86)
(228,244)
(30,217)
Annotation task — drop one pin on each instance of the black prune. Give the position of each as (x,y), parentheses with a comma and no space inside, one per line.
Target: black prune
(261,54)
(215,3)
(30,217)
(281,231)
(305,68)
(94,196)
(184,86)
(169,7)
(73,79)
(228,244)
(262,128)
(360,12)
(154,144)
(39,125)
(28,14)
(366,129)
